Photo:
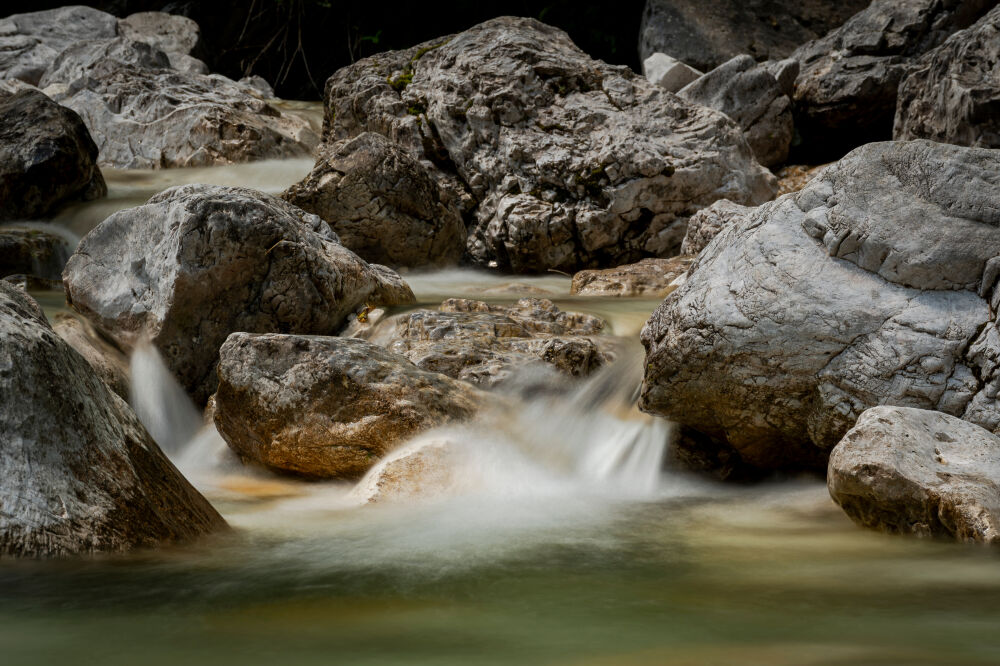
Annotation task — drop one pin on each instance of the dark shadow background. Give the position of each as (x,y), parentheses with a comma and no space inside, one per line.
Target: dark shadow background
(296,44)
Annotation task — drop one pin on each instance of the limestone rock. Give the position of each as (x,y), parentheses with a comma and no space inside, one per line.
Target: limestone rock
(846,91)
(145,115)
(668,73)
(33,252)
(423,469)
(489,344)
(177,36)
(649,278)
(920,472)
(198,262)
(751,95)
(707,34)
(708,222)
(79,472)
(30,42)
(108,361)
(951,94)
(47,157)
(794,177)
(327,407)
(874,285)
(578,165)
(382,203)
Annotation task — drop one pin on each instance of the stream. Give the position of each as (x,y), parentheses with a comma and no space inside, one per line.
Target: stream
(569,546)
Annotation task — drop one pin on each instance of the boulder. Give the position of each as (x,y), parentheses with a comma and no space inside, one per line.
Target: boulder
(914,471)
(108,361)
(708,222)
(874,285)
(383,204)
(327,407)
(707,34)
(145,115)
(578,165)
(424,469)
(668,73)
(649,278)
(845,94)
(30,42)
(488,345)
(79,473)
(952,93)
(47,157)
(198,262)
(175,35)
(751,95)
(33,252)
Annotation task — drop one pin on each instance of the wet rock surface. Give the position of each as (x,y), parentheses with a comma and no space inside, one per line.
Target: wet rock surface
(705,35)
(382,203)
(951,94)
(327,407)
(579,165)
(846,91)
(920,472)
(108,361)
(79,472)
(872,285)
(198,262)
(47,157)
(649,277)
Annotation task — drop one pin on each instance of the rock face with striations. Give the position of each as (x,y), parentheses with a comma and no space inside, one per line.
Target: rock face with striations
(952,93)
(874,285)
(919,472)
(846,91)
(580,164)
(327,407)
(198,262)
(751,95)
(382,203)
(489,345)
(30,42)
(47,157)
(145,115)
(79,473)
(707,34)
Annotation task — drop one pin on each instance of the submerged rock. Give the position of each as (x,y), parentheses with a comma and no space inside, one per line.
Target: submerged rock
(47,157)
(707,34)
(382,203)
(649,277)
(872,285)
(145,115)
(32,252)
(327,407)
(707,223)
(490,344)
(578,165)
(845,94)
(751,95)
(920,472)
(30,42)
(952,93)
(78,472)
(198,262)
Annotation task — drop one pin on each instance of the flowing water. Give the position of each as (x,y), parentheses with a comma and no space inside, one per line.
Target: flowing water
(563,541)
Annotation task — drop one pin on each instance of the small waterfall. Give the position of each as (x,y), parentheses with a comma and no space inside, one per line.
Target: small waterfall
(160,402)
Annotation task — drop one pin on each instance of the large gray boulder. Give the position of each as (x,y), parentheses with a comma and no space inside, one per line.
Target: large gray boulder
(577,165)
(874,285)
(751,95)
(920,472)
(177,36)
(145,115)
(383,203)
(78,472)
(707,34)
(327,407)
(198,262)
(846,91)
(47,157)
(952,93)
(30,42)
